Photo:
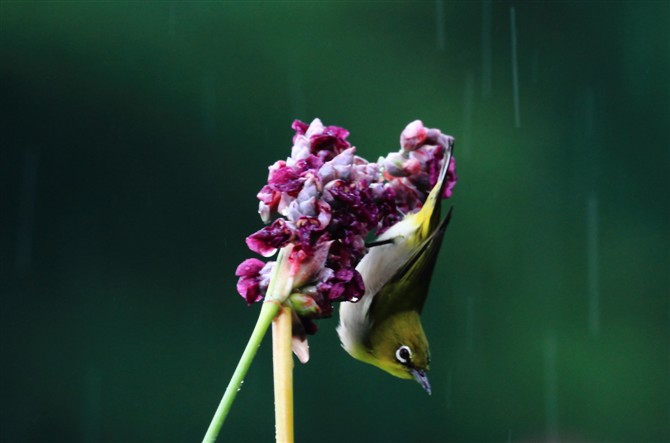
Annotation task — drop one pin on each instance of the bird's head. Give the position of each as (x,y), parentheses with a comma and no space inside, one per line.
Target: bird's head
(399,346)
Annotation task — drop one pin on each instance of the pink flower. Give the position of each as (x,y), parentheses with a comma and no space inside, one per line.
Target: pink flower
(254,279)
(325,200)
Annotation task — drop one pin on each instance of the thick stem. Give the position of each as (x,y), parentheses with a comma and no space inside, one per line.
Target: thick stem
(282,362)
(268,313)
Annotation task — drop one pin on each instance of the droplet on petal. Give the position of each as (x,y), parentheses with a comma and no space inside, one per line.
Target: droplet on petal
(249,267)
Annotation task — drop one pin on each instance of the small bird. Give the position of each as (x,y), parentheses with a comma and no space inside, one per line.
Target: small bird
(384,327)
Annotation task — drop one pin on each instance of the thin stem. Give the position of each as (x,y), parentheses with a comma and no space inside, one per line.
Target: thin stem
(282,364)
(281,282)
(268,312)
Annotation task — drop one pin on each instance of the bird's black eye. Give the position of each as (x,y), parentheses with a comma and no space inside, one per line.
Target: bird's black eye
(403,354)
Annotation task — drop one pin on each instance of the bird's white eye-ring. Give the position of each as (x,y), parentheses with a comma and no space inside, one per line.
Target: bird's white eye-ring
(403,354)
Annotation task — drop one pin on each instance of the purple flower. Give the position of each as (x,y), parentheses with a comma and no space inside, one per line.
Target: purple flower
(413,136)
(315,139)
(325,200)
(254,279)
(452,178)
(266,241)
(414,170)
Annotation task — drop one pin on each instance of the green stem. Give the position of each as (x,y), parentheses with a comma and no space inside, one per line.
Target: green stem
(278,290)
(268,313)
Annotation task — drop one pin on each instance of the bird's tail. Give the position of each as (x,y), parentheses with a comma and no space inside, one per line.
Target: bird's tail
(429,215)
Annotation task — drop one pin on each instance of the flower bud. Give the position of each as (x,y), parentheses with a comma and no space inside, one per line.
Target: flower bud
(304,305)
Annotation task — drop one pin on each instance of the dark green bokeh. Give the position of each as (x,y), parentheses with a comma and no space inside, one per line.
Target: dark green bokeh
(134,137)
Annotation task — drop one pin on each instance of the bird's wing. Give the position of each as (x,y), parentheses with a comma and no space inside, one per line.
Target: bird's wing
(419,269)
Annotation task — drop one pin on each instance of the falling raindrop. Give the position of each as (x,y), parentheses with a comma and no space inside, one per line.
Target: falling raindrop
(209,102)
(26,215)
(449,389)
(551,388)
(590,112)
(172,18)
(593,265)
(515,69)
(297,94)
(92,404)
(487,23)
(470,323)
(439,23)
(468,103)
(535,67)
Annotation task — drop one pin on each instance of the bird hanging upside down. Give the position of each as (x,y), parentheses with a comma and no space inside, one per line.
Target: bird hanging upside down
(384,327)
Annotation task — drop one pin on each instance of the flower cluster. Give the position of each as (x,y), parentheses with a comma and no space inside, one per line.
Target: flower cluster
(325,200)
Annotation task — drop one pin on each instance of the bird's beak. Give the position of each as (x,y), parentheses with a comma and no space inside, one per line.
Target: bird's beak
(422,378)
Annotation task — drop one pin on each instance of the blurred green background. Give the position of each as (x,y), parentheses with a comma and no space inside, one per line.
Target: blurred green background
(134,137)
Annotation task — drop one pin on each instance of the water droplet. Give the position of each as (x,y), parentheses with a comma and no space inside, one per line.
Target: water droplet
(92,411)
(26,212)
(172,18)
(593,265)
(209,102)
(297,94)
(487,23)
(535,67)
(449,389)
(439,23)
(590,112)
(515,69)
(468,105)
(551,387)
(470,323)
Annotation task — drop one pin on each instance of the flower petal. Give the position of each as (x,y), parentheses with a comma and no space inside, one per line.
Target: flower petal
(413,136)
(249,267)
(266,241)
